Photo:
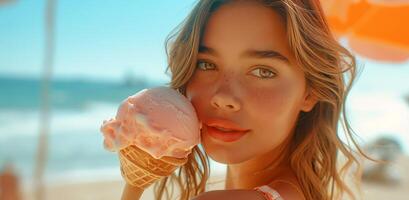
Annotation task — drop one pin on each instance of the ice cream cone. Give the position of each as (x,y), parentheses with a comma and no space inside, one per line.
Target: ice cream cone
(140,169)
(153,132)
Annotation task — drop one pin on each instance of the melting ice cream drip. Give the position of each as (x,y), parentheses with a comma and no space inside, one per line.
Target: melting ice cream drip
(133,125)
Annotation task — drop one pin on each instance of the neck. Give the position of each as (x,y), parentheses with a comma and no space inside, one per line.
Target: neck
(258,171)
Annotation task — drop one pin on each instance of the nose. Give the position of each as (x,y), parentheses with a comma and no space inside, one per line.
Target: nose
(225,101)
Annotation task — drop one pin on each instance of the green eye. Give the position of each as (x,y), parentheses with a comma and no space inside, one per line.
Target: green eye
(203,65)
(264,73)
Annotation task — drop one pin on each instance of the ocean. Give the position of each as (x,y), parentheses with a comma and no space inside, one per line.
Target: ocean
(75,143)
(376,107)
(75,150)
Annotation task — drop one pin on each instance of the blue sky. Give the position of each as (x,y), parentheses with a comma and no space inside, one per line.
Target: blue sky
(100,39)
(94,39)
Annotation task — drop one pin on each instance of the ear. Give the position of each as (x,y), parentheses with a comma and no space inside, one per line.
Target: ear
(308,102)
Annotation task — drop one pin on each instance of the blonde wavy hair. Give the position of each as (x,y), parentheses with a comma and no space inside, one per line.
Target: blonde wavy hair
(316,144)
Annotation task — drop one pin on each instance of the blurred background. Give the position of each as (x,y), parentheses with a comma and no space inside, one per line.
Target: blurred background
(66,65)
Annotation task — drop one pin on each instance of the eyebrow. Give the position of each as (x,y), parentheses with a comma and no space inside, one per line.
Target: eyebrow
(250,53)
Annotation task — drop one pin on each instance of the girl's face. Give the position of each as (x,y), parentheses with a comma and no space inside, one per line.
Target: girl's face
(246,75)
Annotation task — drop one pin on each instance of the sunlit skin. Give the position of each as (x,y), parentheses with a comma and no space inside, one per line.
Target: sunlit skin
(264,95)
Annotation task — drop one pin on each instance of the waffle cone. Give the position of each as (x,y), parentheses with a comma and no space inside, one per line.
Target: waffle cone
(140,169)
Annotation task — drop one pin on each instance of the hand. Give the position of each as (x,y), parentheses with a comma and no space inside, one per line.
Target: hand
(131,193)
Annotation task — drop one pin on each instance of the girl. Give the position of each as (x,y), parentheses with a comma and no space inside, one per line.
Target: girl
(266,78)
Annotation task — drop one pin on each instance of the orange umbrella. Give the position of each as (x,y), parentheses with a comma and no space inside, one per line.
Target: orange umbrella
(377,29)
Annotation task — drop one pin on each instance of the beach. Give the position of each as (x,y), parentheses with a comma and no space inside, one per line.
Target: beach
(63,73)
(101,190)
(76,145)
(112,189)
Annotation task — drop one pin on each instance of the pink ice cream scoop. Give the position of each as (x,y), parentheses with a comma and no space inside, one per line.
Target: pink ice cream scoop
(160,121)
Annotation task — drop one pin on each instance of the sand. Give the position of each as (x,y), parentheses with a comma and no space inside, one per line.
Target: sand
(112,189)
(101,190)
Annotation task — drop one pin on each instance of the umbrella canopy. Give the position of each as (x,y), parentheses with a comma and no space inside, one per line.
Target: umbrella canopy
(377,29)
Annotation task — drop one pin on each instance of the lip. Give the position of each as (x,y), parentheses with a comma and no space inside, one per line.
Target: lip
(229,136)
(226,124)
(225,136)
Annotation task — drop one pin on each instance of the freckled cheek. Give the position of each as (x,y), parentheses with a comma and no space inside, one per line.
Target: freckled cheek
(197,94)
(264,101)
(269,102)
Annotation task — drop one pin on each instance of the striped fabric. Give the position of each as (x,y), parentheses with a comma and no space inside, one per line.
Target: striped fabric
(268,192)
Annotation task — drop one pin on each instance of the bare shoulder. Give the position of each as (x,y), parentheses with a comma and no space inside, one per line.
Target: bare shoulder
(230,195)
(288,190)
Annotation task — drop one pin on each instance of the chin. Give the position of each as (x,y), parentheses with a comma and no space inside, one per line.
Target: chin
(223,152)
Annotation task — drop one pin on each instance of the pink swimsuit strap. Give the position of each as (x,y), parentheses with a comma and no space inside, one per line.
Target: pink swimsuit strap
(271,194)
(268,192)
